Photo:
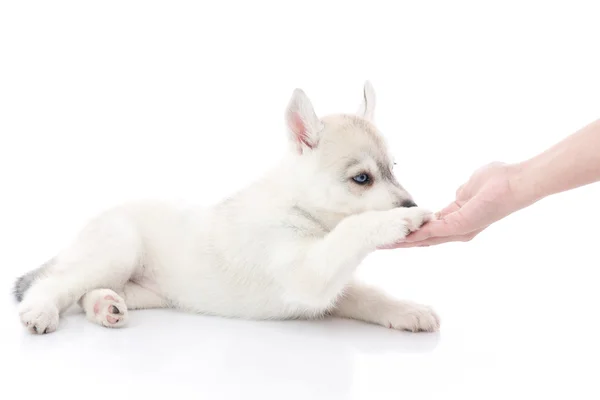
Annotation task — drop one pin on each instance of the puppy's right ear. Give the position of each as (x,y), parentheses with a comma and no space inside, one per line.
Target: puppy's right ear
(303,124)
(367,108)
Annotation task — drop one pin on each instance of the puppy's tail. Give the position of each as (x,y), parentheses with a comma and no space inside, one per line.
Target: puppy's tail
(24,282)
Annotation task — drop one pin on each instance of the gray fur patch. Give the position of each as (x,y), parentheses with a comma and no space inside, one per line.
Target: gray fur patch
(24,282)
(386,171)
(353,162)
(380,155)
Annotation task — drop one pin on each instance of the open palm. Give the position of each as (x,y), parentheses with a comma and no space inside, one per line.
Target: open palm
(483,200)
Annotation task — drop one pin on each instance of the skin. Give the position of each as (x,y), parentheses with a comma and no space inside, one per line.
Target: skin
(498,190)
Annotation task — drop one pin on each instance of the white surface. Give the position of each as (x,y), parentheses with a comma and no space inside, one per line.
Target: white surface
(105,102)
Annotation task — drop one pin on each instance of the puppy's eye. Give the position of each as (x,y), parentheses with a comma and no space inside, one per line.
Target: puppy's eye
(362,179)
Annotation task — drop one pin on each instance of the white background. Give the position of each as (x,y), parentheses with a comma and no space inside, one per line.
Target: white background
(103,102)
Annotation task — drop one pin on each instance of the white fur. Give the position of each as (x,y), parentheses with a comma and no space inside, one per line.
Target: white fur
(285,247)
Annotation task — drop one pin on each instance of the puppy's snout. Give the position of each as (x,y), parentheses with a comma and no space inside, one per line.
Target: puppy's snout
(408,204)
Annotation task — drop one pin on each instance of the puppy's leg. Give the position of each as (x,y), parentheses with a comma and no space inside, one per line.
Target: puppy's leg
(327,265)
(365,303)
(104,255)
(107,308)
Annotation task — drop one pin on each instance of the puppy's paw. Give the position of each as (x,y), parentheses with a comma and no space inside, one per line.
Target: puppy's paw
(39,317)
(399,223)
(411,317)
(106,308)
(415,218)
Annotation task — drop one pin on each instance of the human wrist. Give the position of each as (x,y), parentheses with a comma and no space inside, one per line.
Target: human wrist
(525,185)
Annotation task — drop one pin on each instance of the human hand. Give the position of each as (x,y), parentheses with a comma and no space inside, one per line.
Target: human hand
(487,197)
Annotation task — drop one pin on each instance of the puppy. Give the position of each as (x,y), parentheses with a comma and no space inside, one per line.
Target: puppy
(285,247)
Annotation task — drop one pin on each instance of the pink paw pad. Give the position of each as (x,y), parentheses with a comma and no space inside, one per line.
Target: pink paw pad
(110,311)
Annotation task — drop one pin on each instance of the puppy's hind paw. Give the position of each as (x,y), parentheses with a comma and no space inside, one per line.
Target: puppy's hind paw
(106,308)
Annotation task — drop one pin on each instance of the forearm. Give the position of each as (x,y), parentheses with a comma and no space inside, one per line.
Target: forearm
(324,267)
(569,164)
(340,252)
(327,265)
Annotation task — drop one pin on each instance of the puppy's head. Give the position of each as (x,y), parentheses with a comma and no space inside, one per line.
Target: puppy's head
(343,162)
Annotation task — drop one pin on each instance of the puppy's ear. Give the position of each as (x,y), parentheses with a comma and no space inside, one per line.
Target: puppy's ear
(303,124)
(367,108)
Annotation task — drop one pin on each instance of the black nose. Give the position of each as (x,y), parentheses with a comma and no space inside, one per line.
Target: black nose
(408,203)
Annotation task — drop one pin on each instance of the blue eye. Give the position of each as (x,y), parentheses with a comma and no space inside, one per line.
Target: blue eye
(362,179)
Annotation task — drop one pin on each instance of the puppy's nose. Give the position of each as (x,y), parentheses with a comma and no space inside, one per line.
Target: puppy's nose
(408,203)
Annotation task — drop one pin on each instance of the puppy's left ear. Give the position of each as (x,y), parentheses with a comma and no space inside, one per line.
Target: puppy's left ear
(367,108)
(302,121)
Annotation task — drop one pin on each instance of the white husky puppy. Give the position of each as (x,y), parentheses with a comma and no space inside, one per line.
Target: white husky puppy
(285,247)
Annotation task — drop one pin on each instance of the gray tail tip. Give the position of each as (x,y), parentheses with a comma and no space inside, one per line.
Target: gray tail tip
(21,285)
(16,289)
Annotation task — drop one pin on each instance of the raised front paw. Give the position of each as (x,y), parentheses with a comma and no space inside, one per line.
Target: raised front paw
(400,222)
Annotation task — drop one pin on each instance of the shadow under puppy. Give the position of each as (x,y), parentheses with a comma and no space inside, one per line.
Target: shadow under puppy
(285,247)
